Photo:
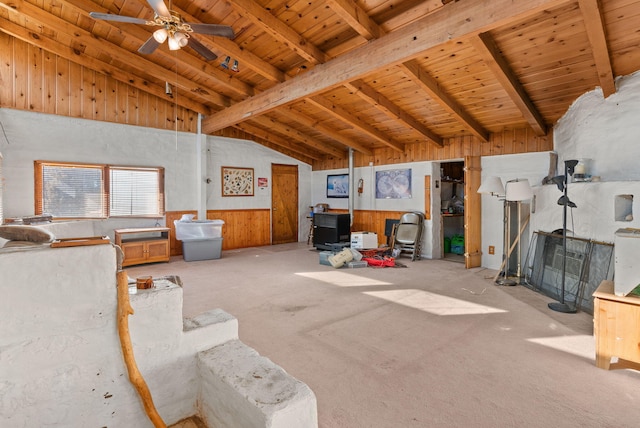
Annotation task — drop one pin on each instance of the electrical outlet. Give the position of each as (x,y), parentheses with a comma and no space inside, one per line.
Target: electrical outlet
(492,249)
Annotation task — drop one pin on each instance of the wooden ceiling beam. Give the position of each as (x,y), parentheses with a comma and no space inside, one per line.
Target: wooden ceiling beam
(594,24)
(229,48)
(432,87)
(279,30)
(276,126)
(458,19)
(85,38)
(382,103)
(279,141)
(329,132)
(342,114)
(357,18)
(78,57)
(191,62)
(490,53)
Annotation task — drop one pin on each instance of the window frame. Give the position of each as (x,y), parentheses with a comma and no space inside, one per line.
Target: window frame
(106,187)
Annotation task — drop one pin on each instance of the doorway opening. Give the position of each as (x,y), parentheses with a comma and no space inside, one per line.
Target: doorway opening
(452,208)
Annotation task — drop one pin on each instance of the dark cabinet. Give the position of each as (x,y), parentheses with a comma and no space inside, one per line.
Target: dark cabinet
(330,229)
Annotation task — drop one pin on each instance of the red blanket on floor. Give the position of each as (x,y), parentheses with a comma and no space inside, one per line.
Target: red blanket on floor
(380,261)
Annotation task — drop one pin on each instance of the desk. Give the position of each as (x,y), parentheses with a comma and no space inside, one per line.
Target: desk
(616,328)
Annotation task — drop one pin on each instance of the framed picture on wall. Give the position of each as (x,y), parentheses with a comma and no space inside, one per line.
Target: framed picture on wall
(338,186)
(393,184)
(237,181)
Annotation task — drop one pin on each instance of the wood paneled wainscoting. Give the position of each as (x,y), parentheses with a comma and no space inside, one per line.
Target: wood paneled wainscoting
(252,228)
(371,221)
(242,228)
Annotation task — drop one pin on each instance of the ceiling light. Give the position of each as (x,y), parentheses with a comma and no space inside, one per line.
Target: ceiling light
(182,39)
(235,66)
(173,43)
(177,41)
(160,35)
(225,63)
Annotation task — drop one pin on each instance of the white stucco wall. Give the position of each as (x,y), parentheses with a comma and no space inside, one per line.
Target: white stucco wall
(33,136)
(602,130)
(62,362)
(367,200)
(63,366)
(246,154)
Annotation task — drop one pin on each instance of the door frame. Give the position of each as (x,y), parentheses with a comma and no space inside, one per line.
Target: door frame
(296,237)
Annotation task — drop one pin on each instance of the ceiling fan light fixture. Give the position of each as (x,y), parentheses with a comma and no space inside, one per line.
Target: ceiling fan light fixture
(235,67)
(161,35)
(182,38)
(173,42)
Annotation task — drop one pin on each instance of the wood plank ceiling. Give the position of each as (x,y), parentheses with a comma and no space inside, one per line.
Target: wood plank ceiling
(317,77)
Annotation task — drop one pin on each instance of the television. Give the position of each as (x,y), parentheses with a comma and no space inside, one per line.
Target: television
(338,186)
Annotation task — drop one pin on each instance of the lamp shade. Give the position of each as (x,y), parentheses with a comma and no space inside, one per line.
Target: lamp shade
(160,35)
(518,190)
(492,185)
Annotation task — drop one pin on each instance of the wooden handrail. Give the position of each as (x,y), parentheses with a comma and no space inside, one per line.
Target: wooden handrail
(124,310)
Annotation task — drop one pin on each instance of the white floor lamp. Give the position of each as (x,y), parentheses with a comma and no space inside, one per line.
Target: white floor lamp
(519,190)
(493,186)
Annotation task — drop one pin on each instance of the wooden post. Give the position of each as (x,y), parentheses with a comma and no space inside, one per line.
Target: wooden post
(124,310)
(513,245)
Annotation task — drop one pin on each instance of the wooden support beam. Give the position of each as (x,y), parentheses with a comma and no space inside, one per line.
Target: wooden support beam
(381,102)
(296,135)
(278,141)
(84,38)
(327,131)
(490,53)
(596,33)
(356,17)
(454,21)
(279,30)
(78,57)
(352,120)
(190,63)
(432,87)
(230,48)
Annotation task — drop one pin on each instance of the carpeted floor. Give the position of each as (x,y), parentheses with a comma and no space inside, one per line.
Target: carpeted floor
(429,345)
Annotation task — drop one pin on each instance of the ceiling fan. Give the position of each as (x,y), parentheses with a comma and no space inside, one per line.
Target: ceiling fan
(173,29)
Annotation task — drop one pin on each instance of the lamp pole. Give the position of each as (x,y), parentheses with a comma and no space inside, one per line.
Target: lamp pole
(561,306)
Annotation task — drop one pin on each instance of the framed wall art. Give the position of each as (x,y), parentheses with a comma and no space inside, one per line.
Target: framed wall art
(393,184)
(237,181)
(338,186)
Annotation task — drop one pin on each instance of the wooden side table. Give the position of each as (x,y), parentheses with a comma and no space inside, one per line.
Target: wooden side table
(616,328)
(144,245)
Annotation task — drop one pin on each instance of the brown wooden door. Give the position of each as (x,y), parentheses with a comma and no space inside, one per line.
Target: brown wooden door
(472,212)
(284,204)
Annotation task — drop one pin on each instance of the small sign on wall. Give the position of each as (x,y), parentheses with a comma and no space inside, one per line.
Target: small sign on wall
(263,182)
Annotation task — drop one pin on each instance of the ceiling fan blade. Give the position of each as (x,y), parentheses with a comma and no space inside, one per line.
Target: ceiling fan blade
(119,18)
(149,46)
(212,29)
(201,49)
(159,7)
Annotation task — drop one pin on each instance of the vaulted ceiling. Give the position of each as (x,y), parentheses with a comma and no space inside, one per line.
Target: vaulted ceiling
(316,77)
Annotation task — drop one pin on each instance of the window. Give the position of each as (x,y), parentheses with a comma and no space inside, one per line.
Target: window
(67,190)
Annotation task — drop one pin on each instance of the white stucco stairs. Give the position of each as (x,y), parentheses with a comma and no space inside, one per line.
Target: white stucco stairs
(62,363)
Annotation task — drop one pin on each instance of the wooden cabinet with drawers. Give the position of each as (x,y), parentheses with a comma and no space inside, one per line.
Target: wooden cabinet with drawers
(143,245)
